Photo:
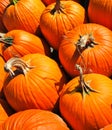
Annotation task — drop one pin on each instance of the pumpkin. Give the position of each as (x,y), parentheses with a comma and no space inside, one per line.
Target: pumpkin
(24,14)
(103,9)
(86,101)
(58,18)
(2,75)
(90,46)
(3,6)
(5,110)
(34,119)
(19,43)
(108,127)
(33,81)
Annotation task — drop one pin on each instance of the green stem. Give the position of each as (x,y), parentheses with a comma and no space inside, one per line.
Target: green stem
(14,2)
(6,40)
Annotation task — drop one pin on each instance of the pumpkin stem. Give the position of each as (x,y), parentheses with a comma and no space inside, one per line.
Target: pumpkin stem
(86,41)
(58,7)
(2,34)
(13,2)
(19,64)
(86,89)
(6,40)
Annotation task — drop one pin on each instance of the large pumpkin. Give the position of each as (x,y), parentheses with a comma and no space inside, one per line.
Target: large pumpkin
(34,119)
(33,81)
(100,11)
(89,45)
(19,43)
(86,102)
(58,18)
(23,14)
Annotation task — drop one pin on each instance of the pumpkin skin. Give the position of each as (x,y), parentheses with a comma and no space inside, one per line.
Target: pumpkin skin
(24,14)
(3,5)
(21,43)
(103,9)
(34,119)
(108,127)
(56,21)
(5,110)
(38,87)
(93,55)
(87,111)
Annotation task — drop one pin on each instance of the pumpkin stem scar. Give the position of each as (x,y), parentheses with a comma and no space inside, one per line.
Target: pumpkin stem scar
(86,88)
(19,64)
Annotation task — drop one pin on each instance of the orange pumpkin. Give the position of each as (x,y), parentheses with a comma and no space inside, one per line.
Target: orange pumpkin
(58,18)
(34,119)
(33,81)
(23,14)
(90,46)
(19,43)
(86,101)
(100,12)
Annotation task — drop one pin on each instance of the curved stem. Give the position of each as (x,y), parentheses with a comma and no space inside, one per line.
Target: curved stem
(19,64)
(86,89)
(84,42)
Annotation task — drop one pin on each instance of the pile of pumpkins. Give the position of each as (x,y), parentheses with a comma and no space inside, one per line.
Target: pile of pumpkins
(55,64)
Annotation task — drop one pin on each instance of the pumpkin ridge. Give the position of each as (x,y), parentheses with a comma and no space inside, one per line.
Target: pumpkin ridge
(97,107)
(20,13)
(41,90)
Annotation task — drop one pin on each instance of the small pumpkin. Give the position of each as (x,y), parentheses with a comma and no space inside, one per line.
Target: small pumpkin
(34,119)
(19,43)
(86,101)
(33,81)
(103,9)
(90,46)
(58,18)
(24,14)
